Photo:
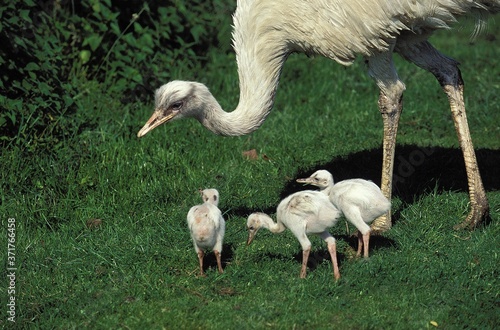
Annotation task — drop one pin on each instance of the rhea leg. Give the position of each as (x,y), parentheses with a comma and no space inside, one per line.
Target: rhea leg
(219,262)
(200,259)
(390,108)
(353,215)
(360,244)
(305,243)
(478,200)
(305,257)
(332,249)
(363,241)
(447,73)
(381,68)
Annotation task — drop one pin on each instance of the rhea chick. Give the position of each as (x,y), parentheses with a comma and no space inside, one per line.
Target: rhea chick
(304,212)
(361,202)
(207,227)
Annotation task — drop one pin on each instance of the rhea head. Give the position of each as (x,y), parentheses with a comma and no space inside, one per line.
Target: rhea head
(175,100)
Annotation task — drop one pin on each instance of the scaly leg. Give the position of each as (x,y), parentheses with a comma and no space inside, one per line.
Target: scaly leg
(478,201)
(381,68)
(447,73)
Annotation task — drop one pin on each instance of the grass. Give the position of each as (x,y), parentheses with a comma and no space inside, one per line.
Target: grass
(136,268)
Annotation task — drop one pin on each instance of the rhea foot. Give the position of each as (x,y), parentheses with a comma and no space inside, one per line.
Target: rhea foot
(381,224)
(477,215)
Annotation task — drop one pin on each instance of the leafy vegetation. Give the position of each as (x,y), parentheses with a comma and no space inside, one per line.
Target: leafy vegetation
(101,235)
(55,52)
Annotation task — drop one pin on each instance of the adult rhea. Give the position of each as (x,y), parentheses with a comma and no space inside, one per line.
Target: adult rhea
(267,31)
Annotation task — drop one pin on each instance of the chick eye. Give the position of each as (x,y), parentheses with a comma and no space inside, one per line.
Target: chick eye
(176,105)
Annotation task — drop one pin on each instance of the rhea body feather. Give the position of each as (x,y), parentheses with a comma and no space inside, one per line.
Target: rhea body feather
(362,195)
(205,226)
(304,212)
(205,222)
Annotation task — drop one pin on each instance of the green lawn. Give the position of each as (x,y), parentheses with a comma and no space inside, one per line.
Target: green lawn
(135,266)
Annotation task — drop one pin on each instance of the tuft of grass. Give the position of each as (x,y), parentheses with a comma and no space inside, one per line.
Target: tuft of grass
(136,266)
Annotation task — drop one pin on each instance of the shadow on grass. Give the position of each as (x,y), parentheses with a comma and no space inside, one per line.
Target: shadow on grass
(417,170)
(321,255)
(227,254)
(317,258)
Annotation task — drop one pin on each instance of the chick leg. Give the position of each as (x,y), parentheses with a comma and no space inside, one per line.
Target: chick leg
(305,257)
(366,244)
(332,248)
(200,259)
(219,263)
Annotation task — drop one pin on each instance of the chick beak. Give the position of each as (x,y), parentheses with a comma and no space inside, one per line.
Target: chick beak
(304,180)
(159,117)
(251,235)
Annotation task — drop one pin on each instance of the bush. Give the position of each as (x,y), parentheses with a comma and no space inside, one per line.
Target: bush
(53,50)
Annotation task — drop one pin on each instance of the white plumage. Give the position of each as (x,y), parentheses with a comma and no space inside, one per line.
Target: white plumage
(304,212)
(207,227)
(266,32)
(361,201)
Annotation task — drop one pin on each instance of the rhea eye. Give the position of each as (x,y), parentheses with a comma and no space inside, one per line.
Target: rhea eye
(251,228)
(176,105)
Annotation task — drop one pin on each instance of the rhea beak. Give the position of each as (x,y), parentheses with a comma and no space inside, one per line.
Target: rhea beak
(304,180)
(159,117)
(251,235)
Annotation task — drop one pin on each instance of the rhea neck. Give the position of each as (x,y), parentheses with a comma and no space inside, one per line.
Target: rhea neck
(326,188)
(260,55)
(269,224)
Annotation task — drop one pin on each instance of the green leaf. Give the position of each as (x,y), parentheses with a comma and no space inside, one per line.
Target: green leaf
(68,100)
(32,66)
(27,85)
(96,7)
(137,27)
(115,28)
(44,88)
(93,41)
(25,14)
(85,56)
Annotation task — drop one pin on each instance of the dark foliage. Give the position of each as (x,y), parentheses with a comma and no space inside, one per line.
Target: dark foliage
(52,51)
